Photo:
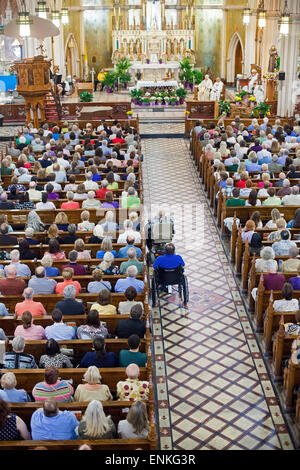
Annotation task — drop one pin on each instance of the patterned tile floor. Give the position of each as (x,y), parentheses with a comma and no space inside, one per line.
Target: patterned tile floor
(213,390)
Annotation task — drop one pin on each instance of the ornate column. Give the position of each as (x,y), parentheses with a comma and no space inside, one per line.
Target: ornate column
(288,53)
(250,34)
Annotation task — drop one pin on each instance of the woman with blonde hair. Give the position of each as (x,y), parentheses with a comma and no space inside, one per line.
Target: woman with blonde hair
(47,262)
(62,222)
(265,177)
(36,167)
(110,225)
(275,215)
(103,304)
(106,246)
(80,248)
(67,275)
(41,175)
(275,147)
(95,424)
(85,224)
(276,235)
(134,217)
(53,234)
(9,393)
(92,389)
(136,424)
(107,266)
(224,151)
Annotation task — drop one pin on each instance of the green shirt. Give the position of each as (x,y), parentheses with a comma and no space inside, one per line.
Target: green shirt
(5,170)
(272,201)
(130,201)
(132,262)
(235,202)
(112,186)
(129,357)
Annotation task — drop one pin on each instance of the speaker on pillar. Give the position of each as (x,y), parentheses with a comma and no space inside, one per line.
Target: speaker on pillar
(281,76)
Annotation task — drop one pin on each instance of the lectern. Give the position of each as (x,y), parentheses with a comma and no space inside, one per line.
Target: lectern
(33,83)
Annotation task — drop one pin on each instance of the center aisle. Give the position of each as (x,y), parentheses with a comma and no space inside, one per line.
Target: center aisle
(213,390)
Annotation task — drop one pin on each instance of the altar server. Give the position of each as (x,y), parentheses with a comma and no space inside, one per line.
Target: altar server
(216,91)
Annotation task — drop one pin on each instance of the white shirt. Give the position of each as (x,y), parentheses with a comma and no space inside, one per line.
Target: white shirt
(63,162)
(285,305)
(34,195)
(122,238)
(91,185)
(45,206)
(56,186)
(91,204)
(291,200)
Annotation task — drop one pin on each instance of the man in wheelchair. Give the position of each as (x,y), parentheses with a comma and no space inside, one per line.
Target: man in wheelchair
(169,271)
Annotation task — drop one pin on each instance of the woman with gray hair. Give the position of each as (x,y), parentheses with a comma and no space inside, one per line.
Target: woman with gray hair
(34,221)
(267,254)
(17,359)
(9,392)
(94,424)
(136,424)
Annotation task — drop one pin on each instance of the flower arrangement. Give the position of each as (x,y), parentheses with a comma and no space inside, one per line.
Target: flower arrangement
(86,96)
(261,110)
(238,98)
(129,113)
(147,61)
(271,76)
(252,98)
(160,60)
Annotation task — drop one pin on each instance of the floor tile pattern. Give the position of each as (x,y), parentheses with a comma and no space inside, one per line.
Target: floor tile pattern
(213,390)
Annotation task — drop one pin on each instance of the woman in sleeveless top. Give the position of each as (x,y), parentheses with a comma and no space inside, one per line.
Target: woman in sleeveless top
(12,428)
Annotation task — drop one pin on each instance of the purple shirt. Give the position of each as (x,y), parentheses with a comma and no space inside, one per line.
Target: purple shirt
(53,196)
(295,281)
(274,281)
(79,269)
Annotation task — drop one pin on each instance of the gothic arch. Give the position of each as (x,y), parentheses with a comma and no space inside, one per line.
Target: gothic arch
(231,55)
(72,56)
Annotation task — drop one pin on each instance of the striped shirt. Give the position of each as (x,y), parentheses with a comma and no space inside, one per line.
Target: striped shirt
(61,391)
(14,360)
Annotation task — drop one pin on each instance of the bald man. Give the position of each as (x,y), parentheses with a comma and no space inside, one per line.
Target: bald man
(132,388)
(49,423)
(11,285)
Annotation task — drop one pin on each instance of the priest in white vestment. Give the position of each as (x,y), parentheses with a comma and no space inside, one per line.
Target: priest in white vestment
(204,89)
(216,91)
(253,78)
(259,93)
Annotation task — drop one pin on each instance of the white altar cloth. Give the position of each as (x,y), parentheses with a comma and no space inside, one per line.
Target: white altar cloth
(159,83)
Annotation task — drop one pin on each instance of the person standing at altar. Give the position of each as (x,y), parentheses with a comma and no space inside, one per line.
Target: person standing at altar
(253,78)
(259,93)
(204,89)
(100,79)
(216,91)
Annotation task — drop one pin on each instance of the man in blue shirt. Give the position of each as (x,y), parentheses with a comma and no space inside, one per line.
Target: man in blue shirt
(169,260)
(123,251)
(49,423)
(59,330)
(22,269)
(253,166)
(122,284)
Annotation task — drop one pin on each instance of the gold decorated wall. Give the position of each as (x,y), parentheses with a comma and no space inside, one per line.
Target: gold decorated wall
(234,23)
(74,24)
(208,36)
(98,37)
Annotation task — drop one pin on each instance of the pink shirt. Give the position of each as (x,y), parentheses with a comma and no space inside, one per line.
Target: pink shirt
(70,205)
(261,184)
(85,254)
(35,308)
(58,255)
(61,285)
(34,332)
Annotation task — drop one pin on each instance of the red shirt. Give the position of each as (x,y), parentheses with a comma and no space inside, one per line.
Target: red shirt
(117,140)
(240,184)
(100,193)
(70,205)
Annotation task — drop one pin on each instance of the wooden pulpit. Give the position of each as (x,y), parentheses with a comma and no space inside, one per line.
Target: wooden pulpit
(33,83)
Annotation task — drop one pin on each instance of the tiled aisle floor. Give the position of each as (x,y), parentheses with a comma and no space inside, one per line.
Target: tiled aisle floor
(213,389)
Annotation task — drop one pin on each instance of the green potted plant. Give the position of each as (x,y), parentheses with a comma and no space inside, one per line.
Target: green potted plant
(124,78)
(224,107)
(186,74)
(181,93)
(109,81)
(198,76)
(136,95)
(86,96)
(262,109)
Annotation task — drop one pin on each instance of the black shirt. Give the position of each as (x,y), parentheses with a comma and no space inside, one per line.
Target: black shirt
(128,327)
(69,239)
(8,240)
(70,307)
(95,240)
(4,205)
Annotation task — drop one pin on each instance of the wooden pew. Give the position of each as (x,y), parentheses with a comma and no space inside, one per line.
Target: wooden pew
(50,300)
(281,349)
(28,378)
(79,346)
(9,324)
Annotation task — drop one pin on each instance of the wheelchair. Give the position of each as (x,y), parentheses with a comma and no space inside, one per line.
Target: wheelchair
(158,235)
(170,277)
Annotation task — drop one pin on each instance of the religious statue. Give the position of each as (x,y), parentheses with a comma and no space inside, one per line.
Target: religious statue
(253,78)
(216,91)
(273,59)
(205,89)
(259,93)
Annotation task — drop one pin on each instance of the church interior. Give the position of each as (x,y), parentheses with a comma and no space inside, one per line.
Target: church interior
(141,141)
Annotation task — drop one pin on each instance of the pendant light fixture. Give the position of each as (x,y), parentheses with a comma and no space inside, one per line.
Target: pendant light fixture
(24,21)
(285,20)
(42,9)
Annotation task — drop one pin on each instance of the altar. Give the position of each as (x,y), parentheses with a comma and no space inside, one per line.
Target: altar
(155,71)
